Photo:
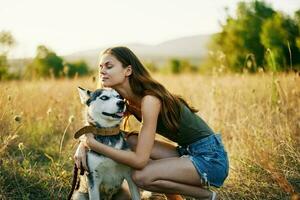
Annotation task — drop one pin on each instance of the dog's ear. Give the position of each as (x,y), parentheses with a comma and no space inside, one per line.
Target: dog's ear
(84,94)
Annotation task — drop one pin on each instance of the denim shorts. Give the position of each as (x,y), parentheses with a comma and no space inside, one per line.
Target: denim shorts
(209,158)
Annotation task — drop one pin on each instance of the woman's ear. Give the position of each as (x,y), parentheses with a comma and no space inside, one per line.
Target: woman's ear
(128,71)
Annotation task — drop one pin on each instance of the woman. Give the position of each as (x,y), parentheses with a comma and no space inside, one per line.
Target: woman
(198,160)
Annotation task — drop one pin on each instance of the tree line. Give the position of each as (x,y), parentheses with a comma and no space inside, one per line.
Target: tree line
(257,38)
(45,64)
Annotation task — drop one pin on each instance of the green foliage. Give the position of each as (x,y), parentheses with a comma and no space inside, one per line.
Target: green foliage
(247,39)
(3,67)
(278,35)
(272,36)
(297,20)
(177,66)
(80,68)
(47,64)
(6,42)
(151,66)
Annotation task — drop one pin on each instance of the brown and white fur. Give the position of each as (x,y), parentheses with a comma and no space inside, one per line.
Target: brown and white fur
(105,108)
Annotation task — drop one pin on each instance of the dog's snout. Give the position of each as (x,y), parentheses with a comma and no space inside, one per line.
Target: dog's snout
(121,104)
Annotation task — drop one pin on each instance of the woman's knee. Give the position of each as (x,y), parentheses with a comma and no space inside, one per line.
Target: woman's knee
(140,178)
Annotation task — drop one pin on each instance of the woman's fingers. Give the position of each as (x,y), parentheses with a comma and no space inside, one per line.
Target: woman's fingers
(83,162)
(82,138)
(76,159)
(78,163)
(80,156)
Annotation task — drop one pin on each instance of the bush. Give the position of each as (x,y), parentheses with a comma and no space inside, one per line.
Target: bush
(80,68)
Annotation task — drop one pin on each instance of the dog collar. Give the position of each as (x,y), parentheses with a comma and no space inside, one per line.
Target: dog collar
(97,131)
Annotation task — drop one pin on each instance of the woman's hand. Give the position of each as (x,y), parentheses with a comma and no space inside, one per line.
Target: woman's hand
(80,157)
(86,140)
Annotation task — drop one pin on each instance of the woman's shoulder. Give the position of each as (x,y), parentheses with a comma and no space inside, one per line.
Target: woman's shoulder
(147,101)
(150,106)
(150,100)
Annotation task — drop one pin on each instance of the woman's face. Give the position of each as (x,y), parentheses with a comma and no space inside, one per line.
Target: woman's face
(112,73)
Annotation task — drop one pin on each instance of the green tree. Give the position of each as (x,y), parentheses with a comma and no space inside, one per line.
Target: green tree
(45,64)
(80,68)
(278,36)
(240,36)
(174,65)
(187,67)
(256,37)
(3,67)
(297,20)
(6,42)
(177,66)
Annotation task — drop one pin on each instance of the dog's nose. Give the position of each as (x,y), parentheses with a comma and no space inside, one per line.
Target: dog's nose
(121,104)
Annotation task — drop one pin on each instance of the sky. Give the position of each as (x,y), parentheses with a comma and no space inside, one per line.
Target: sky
(68,26)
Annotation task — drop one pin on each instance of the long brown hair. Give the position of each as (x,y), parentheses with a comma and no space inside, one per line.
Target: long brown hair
(143,84)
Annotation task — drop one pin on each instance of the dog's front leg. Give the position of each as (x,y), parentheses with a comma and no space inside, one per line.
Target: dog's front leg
(94,181)
(134,191)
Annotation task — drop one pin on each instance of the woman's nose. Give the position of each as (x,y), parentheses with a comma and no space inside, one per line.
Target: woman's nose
(102,70)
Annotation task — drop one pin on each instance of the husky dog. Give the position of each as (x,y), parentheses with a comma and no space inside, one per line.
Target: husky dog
(105,108)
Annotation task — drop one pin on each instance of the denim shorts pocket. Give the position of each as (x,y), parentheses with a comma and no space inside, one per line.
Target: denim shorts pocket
(203,150)
(213,152)
(209,153)
(210,159)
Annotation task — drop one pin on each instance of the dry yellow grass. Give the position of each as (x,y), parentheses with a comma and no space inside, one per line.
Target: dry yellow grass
(258,116)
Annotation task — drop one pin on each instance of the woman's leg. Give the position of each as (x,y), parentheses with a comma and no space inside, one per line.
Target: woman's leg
(173,176)
(160,150)
(167,168)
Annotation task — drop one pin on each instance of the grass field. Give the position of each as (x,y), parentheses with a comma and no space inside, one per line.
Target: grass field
(257,115)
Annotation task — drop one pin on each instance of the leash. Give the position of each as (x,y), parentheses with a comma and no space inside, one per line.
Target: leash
(80,132)
(75,181)
(97,131)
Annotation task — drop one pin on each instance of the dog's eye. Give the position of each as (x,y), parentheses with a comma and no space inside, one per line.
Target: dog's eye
(104,97)
(119,97)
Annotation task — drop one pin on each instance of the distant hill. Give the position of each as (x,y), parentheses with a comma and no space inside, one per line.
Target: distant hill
(192,48)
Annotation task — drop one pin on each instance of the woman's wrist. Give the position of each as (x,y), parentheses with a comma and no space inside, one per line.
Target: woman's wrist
(91,143)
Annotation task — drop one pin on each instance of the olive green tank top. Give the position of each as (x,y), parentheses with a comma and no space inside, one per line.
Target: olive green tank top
(191,128)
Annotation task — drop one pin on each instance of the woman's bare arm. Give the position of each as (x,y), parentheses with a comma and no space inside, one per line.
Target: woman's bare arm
(150,108)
